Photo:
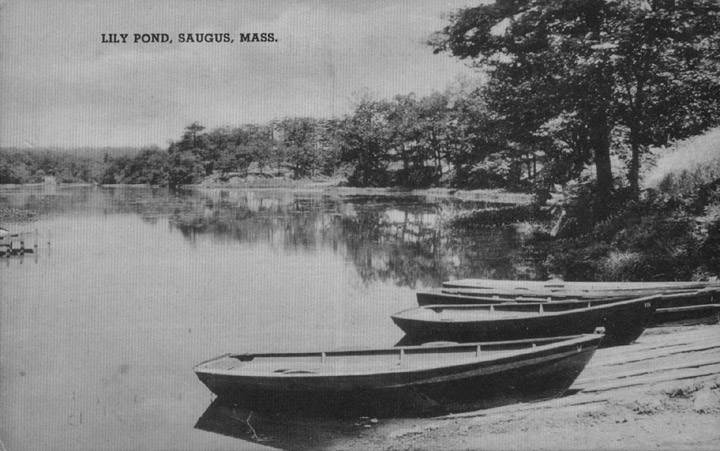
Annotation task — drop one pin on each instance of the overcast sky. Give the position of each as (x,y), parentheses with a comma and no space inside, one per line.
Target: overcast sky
(60,86)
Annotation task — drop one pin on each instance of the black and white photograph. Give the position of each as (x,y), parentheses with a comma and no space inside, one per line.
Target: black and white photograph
(359,225)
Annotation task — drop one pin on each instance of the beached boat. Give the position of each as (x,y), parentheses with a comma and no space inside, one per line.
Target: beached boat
(522,293)
(415,379)
(559,287)
(623,321)
(433,297)
(699,305)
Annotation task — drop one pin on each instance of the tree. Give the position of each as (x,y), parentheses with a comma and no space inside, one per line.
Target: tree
(589,67)
(470,137)
(301,147)
(364,142)
(666,61)
(185,157)
(184,168)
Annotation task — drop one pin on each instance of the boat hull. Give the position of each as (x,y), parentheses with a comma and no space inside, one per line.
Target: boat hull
(482,384)
(623,321)
(686,307)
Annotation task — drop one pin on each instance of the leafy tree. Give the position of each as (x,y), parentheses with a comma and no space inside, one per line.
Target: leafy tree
(185,156)
(184,168)
(571,72)
(149,166)
(665,58)
(328,144)
(470,138)
(405,132)
(364,140)
(301,147)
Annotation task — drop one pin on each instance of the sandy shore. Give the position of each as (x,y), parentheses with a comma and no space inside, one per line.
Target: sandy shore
(662,392)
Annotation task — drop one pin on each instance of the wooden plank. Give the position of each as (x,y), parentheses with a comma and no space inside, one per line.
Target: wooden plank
(625,359)
(664,357)
(671,375)
(639,349)
(695,362)
(644,365)
(514,409)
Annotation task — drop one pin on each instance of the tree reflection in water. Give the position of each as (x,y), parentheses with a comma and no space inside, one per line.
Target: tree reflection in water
(403,239)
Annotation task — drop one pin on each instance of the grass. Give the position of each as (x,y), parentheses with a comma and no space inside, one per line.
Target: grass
(691,164)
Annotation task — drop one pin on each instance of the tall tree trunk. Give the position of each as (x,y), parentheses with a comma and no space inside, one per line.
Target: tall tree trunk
(600,141)
(635,123)
(634,170)
(534,166)
(600,124)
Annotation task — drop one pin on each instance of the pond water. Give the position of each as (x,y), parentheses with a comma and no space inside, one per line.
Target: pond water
(131,287)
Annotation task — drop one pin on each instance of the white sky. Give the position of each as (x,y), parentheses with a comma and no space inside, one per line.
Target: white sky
(59,86)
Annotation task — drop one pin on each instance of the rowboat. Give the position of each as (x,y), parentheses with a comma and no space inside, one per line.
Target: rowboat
(522,293)
(450,297)
(561,289)
(672,306)
(623,321)
(688,307)
(409,379)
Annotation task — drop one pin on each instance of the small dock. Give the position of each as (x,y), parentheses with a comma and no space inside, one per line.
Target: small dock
(13,243)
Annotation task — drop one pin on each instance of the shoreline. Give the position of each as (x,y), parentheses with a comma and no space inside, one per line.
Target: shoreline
(333,186)
(480,195)
(325,188)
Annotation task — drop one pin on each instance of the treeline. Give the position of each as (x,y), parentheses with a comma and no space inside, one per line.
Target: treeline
(292,147)
(446,138)
(442,139)
(65,166)
(84,165)
(572,91)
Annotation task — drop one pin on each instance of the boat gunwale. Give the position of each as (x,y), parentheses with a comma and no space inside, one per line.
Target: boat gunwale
(557,343)
(492,308)
(547,299)
(576,286)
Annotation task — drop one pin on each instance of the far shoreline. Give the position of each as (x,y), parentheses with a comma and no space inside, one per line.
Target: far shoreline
(332,187)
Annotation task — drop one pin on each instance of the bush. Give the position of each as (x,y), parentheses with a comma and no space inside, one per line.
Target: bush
(659,238)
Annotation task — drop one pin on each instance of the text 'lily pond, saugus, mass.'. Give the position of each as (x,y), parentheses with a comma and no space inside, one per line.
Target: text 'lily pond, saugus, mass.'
(165,38)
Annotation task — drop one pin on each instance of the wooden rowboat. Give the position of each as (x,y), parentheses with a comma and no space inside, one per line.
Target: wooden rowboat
(445,297)
(623,321)
(559,285)
(676,306)
(409,379)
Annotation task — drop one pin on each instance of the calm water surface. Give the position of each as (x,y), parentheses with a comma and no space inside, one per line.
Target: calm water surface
(131,287)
